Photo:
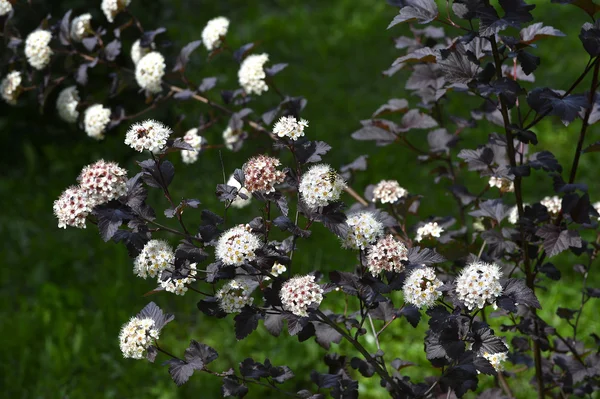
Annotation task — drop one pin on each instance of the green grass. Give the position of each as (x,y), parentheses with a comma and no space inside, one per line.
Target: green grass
(65,294)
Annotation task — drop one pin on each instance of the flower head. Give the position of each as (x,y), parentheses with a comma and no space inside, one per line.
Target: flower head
(596,206)
(103,181)
(214,31)
(239,202)
(149,135)
(429,230)
(156,256)
(261,174)
(496,359)
(112,7)
(420,287)
(177,281)
(252,74)
(136,336)
(479,284)
(95,121)
(234,296)
(138,52)
(10,88)
(5,7)
(513,214)
(298,293)
(278,269)
(288,126)
(388,192)
(553,204)
(237,245)
(505,185)
(321,185)
(72,207)
(37,48)
(81,27)
(195,141)
(66,104)
(386,255)
(364,229)
(233,138)
(149,72)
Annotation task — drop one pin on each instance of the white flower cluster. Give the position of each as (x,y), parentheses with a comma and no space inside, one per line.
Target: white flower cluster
(386,255)
(72,207)
(136,336)
(196,141)
(261,174)
(5,7)
(214,30)
(496,359)
(553,204)
(103,181)
(149,72)
(420,287)
(231,137)
(298,293)
(252,75)
(479,284)
(505,185)
(234,296)
(364,229)
(155,257)
(596,206)
(81,27)
(388,192)
(95,121)
(320,186)
(288,126)
(138,52)
(239,202)
(278,269)
(112,7)
(66,104)
(429,230)
(37,48)
(177,286)
(149,135)
(513,214)
(10,88)
(237,245)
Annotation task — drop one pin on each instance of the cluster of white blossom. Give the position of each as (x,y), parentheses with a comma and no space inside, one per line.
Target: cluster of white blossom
(214,31)
(261,174)
(363,230)
(138,52)
(234,296)
(72,207)
(421,287)
(496,359)
(288,126)
(553,204)
(513,214)
(429,230)
(149,72)
(195,141)
(149,135)
(81,27)
(298,293)
(278,269)
(112,7)
(505,185)
(103,181)
(231,137)
(479,284)
(10,88)
(5,7)
(66,104)
(252,75)
(237,245)
(95,120)
(388,192)
(156,256)
(386,255)
(320,186)
(239,202)
(37,48)
(596,206)
(136,336)
(177,286)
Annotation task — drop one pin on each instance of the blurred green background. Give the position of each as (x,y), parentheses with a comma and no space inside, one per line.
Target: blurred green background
(65,294)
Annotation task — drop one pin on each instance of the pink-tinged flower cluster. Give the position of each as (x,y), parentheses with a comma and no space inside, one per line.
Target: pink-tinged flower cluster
(388,192)
(298,293)
(386,255)
(103,181)
(363,230)
(72,207)
(261,174)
